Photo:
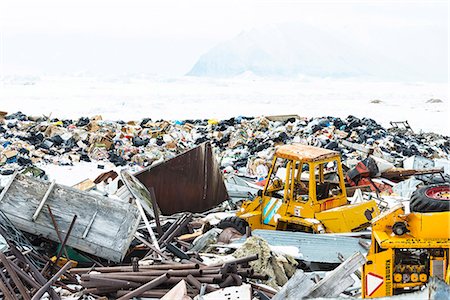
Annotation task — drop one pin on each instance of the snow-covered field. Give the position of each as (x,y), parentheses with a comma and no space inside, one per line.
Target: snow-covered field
(191,97)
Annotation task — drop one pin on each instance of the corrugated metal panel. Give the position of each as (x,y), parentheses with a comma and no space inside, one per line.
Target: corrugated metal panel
(311,247)
(191,181)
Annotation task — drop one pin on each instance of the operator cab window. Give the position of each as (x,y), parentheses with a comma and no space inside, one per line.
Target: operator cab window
(327,180)
(301,185)
(275,188)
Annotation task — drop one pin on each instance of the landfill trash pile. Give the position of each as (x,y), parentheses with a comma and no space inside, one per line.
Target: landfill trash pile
(159,221)
(242,144)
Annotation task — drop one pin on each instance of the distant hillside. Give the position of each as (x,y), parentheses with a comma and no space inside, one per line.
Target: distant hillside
(298,49)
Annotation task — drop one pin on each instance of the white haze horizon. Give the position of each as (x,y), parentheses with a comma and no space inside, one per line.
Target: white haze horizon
(129,59)
(168,38)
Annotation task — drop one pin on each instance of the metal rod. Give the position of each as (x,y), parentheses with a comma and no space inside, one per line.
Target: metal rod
(148,286)
(173,266)
(157,250)
(6,288)
(55,277)
(155,210)
(23,291)
(147,223)
(6,292)
(41,204)
(65,239)
(98,282)
(193,272)
(172,228)
(170,237)
(34,271)
(55,225)
(25,276)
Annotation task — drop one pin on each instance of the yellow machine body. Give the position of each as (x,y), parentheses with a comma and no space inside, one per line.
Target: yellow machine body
(311,197)
(396,262)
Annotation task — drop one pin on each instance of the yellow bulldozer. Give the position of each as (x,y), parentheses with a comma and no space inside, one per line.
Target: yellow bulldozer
(304,191)
(408,248)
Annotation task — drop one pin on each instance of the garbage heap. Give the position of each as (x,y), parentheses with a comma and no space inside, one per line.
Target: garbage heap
(243,144)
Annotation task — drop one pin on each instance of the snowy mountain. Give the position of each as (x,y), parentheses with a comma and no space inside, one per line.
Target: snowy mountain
(298,49)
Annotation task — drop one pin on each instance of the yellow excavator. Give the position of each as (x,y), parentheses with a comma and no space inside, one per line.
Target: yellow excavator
(304,191)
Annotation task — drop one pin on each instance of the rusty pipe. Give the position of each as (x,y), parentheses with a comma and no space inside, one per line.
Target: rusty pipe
(179,273)
(130,268)
(148,286)
(55,277)
(23,291)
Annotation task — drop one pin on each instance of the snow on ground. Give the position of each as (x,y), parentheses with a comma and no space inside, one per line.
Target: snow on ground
(191,97)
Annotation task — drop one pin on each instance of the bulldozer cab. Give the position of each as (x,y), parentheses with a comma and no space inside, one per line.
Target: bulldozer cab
(307,179)
(305,191)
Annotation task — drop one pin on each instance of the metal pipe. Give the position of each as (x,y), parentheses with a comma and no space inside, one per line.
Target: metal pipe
(152,247)
(23,291)
(34,271)
(237,279)
(194,282)
(130,269)
(210,271)
(100,290)
(144,279)
(6,288)
(114,282)
(193,272)
(69,231)
(148,286)
(172,227)
(159,293)
(227,282)
(177,230)
(55,225)
(55,277)
(5,292)
(25,276)
(155,210)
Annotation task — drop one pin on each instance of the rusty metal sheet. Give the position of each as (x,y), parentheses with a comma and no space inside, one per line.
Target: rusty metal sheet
(191,181)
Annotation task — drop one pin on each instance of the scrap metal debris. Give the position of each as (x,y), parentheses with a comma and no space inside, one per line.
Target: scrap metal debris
(146,224)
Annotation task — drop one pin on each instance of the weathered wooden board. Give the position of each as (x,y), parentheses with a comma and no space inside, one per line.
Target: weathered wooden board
(111,231)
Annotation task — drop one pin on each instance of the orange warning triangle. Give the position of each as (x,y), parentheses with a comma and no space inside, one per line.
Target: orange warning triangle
(373,282)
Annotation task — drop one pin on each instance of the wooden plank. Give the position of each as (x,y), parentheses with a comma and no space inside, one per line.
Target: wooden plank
(85,185)
(297,287)
(109,236)
(338,280)
(41,205)
(5,189)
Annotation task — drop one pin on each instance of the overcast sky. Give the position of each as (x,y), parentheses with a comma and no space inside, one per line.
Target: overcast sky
(166,37)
